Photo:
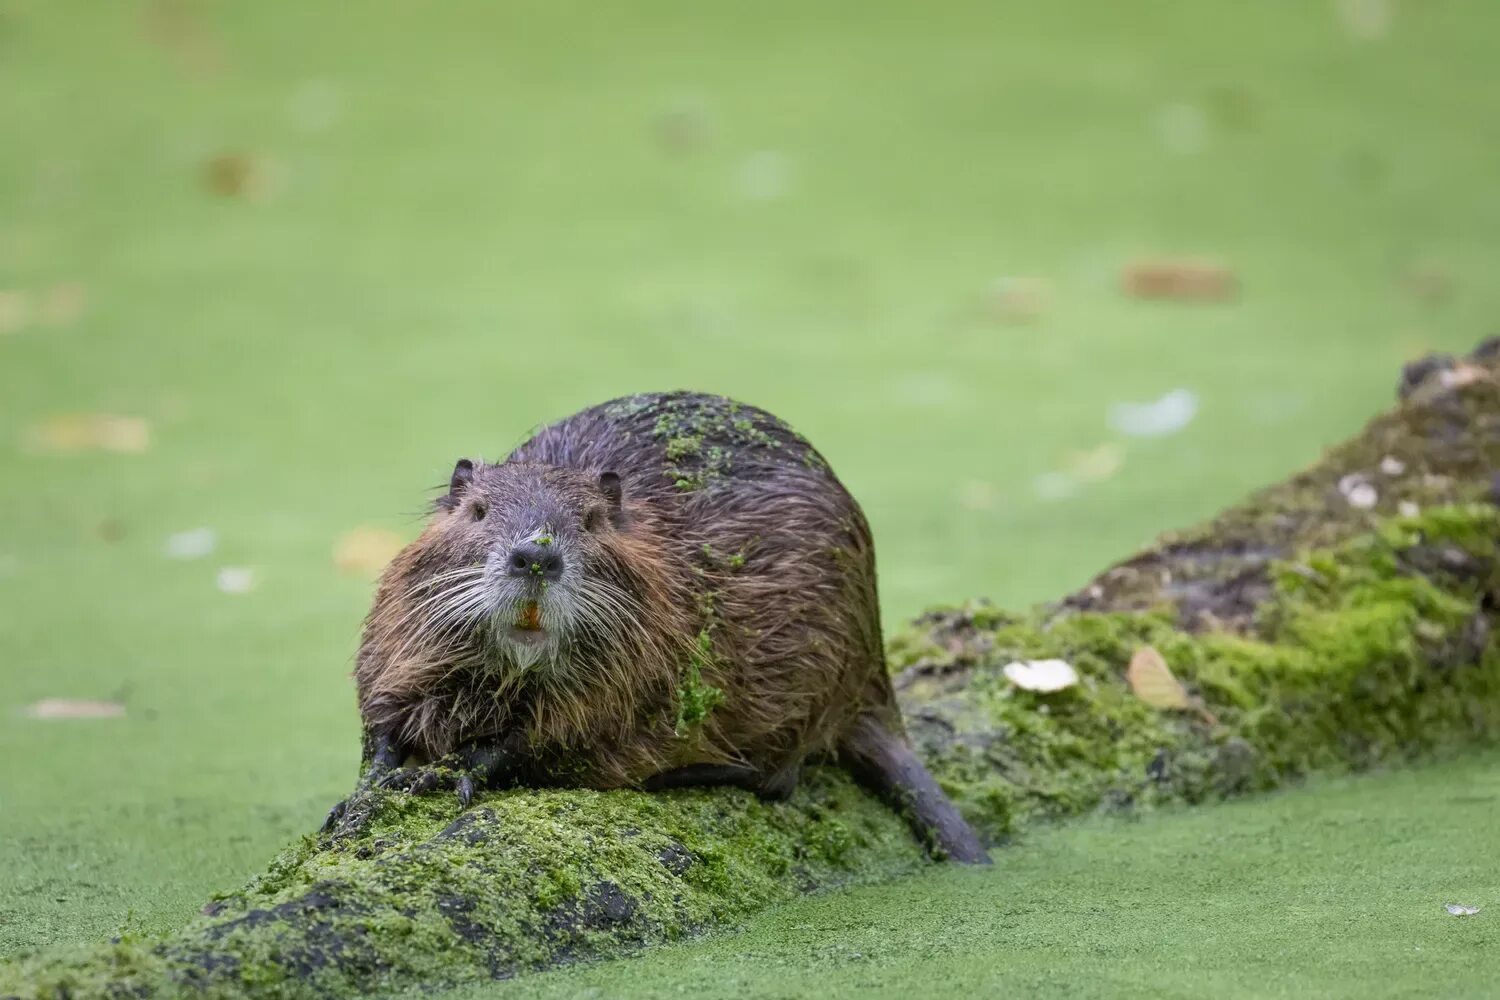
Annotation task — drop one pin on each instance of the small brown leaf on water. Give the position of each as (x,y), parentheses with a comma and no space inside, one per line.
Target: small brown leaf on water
(1152,680)
(1184,279)
(69,432)
(365,550)
(68,708)
(240,174)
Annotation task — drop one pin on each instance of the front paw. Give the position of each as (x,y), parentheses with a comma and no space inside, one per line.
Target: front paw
(448,774)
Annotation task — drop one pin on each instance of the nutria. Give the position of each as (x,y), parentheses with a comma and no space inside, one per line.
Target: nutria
(663,590)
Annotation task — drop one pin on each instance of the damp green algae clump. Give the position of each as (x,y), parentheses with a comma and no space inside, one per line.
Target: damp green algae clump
(428,894)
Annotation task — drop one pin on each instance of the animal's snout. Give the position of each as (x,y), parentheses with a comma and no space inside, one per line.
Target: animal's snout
(531,559)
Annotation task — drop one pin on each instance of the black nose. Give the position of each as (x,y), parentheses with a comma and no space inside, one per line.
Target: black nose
(541,561)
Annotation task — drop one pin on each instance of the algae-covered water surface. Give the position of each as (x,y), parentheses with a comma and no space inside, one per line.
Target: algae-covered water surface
(1334,890)
(265,274)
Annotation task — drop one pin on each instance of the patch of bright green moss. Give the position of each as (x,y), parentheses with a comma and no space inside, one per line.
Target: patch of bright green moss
(1377,649)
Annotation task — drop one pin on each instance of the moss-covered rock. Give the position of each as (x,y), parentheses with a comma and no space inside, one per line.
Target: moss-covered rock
(1318,626)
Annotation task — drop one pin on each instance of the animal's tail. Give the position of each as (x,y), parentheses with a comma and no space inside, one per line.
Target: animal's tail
(881,761)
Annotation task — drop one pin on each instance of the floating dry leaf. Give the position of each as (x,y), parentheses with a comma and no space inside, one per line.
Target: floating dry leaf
(179,27)
(1430,285)
(1096,463)
(685,127)
(239,174)
(1041,675)
(1019,299)
(366,550)
(1186,279)
(1460,910)
(1153,682)
(70,432)
(977,494)
(68,708)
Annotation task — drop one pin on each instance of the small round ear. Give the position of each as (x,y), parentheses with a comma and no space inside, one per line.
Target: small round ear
(609,485)
(463,475)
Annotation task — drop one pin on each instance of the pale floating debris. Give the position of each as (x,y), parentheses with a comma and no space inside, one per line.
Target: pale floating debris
(1365,20)
(928,390)
(1053,486)
(15,310)
(976,494)
(1183,128)
(315,106)
(1392,466)
(84,431)
(1041,675)
(1276,407)
(1096,463)
(1460,910)
(68,708)
(236,579)
(1153,682)
(193,544)
(766,176)
(1185,279)
(1019,299)
(366,550)
(1407,508)
(1167,415)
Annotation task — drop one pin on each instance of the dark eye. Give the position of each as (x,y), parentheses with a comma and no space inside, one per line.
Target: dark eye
(477,512)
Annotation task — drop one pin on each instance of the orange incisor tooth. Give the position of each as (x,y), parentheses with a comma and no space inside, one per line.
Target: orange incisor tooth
(531,616)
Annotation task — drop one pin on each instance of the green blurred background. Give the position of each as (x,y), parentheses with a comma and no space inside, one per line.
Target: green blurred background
(267,269)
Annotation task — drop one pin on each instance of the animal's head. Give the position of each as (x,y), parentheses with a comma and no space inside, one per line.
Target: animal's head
(521,564)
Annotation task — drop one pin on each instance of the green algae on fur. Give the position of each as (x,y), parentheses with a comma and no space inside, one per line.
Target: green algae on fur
(696,698)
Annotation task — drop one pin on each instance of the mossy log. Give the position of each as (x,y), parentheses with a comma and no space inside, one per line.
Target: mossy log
(1343,618)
